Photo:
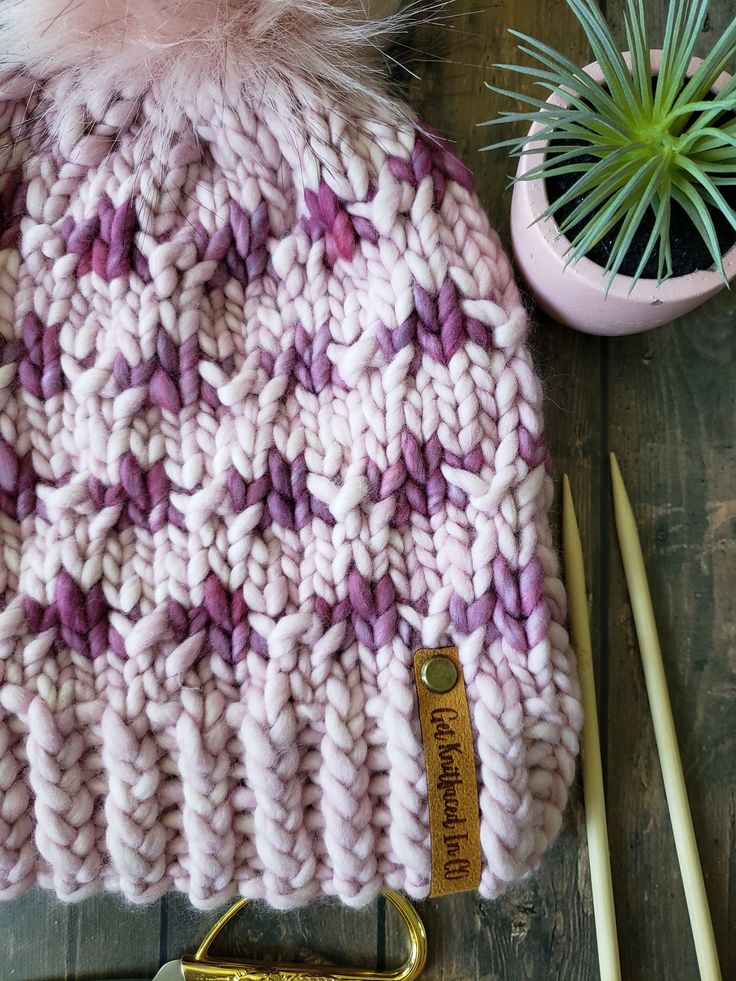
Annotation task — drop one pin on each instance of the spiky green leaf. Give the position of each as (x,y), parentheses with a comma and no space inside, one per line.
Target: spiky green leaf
(634,144)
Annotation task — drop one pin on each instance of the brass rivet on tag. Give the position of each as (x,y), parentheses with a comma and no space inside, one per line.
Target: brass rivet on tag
(438,674)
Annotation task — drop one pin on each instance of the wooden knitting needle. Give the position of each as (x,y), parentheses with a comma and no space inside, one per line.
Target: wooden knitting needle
(595,804)
(664,731)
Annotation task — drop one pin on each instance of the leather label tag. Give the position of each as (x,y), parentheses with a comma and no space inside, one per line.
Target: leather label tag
(447,735)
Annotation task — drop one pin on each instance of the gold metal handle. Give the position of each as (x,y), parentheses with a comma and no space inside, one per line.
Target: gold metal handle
(202,967)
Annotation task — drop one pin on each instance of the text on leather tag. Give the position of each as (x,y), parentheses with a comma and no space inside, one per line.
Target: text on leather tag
(452,787)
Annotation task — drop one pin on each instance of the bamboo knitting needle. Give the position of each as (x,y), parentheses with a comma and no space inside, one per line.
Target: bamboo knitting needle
(595,804)
(664,731)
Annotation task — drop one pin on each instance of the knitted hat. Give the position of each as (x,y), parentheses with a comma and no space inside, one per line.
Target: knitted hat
(268,425)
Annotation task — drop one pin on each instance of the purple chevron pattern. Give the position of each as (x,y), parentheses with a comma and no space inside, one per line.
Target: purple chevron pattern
(268,425)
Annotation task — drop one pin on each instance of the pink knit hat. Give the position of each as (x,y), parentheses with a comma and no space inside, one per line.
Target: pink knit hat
(268,424)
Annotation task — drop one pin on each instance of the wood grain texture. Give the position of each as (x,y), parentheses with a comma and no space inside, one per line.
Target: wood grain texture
(675,388)
(672,422)
(666,403)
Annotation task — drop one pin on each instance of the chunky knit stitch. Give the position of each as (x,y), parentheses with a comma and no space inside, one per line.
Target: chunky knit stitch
(267,425)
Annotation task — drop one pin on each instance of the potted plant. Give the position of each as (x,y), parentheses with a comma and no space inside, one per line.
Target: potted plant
(623,211)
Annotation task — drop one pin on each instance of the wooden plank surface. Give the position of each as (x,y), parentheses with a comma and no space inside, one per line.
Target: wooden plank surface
(671,405)
(666,403)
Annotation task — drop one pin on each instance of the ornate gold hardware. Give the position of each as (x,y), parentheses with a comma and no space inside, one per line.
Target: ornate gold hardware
(203,967)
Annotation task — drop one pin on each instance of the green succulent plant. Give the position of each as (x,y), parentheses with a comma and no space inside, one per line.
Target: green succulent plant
(638,144)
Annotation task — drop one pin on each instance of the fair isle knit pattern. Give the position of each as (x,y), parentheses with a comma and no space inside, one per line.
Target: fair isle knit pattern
(268,424)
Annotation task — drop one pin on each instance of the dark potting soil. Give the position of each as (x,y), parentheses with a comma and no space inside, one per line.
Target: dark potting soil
(689,251)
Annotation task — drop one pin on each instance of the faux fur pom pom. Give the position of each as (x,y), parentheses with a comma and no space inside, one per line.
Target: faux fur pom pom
(257,48)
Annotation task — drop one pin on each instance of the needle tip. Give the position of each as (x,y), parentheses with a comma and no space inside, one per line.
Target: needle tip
(569,518)
(621,503)
(616,477)
(567,504)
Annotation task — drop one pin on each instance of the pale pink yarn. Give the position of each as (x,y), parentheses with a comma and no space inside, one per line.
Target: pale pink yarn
(268,424)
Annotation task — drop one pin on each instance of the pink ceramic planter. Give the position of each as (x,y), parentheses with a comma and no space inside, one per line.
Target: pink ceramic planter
(576,295)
